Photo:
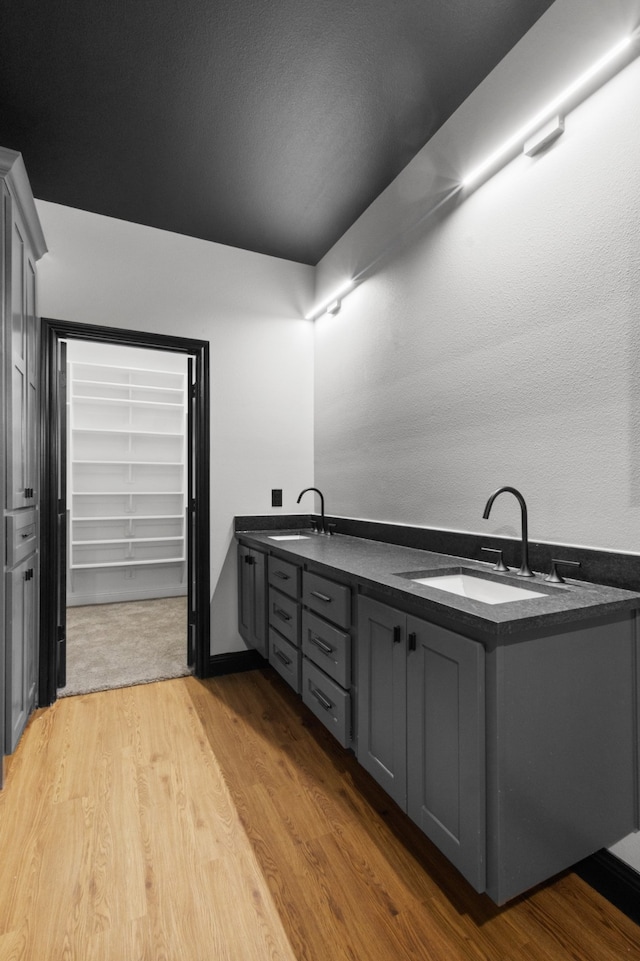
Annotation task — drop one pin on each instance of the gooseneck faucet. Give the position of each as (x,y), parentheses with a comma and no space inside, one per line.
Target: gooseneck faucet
(323,526)
(525,570)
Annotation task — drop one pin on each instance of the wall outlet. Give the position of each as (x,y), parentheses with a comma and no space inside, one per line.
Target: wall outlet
(276,497)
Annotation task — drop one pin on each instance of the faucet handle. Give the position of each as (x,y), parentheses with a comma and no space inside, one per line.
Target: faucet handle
(499,564)
(553,577)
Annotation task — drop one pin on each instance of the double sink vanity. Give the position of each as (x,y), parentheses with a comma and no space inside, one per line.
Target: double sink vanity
(498,711)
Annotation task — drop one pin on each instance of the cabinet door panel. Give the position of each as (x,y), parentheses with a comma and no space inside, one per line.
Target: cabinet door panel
(18,476)
(31,383)
(259,630)
(327,598)
(328,701)
(252,598)
(445,744)
(245,594)
(328,647)
(382,696)
(20,652)
(284,615)
(285,658)
(284,576)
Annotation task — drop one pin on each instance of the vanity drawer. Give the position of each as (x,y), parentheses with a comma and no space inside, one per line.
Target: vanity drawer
(21,536)
(284,615)
(329,599)
(328,701)
(327,647)
(284,576)
(285,658)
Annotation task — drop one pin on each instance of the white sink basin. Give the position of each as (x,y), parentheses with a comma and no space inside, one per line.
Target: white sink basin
(478,588)
(288,537)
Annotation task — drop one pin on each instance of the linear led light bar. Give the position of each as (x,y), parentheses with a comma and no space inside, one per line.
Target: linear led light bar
(332,304)
(549,110)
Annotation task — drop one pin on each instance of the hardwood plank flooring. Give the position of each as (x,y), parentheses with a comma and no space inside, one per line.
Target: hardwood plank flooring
(188,820)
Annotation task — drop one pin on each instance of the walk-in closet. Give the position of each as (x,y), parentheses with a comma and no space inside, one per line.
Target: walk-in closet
(126,515)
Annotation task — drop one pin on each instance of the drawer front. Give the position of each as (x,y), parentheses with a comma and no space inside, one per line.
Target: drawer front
(328,647)
(21,536)
(284,576)
(329,599)
(284,615)
(286,660)
(328,701)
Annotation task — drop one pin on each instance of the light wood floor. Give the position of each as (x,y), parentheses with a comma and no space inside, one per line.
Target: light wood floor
(188,820)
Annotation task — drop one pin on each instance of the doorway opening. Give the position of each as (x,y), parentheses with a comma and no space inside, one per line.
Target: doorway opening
(125,495)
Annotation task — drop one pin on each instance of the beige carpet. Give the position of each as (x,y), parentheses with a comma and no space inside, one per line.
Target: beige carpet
(118,645)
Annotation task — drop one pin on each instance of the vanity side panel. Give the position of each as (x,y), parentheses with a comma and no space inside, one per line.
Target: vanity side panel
(562,770)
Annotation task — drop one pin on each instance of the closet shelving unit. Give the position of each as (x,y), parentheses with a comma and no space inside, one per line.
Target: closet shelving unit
(126,483)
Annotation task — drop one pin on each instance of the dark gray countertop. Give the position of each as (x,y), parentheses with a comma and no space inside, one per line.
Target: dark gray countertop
(377,565)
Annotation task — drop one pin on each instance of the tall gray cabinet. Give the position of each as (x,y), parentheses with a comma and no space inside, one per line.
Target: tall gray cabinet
(22,244)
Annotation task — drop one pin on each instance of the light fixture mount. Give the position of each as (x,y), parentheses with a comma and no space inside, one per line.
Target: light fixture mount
(544,136)
(331,304)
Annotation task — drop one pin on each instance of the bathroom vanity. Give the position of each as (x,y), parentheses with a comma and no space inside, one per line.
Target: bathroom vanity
(505,727)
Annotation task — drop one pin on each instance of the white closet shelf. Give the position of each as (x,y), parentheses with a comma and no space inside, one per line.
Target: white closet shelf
(130,517)
(141,463)
(125,493)
(126,540)
(81,398)
(159,389)
(129,563)
(125,430)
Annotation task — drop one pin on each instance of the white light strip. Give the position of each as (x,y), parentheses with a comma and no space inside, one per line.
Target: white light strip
(337,295)
(551,108)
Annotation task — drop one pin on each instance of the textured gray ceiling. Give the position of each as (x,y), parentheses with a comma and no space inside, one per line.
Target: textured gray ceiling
(264,124)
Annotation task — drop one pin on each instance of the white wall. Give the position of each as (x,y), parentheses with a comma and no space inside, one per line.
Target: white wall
(248,306)
(500,344)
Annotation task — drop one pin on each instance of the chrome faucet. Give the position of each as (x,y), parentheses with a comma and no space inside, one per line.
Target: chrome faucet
(525,570)
(323,526)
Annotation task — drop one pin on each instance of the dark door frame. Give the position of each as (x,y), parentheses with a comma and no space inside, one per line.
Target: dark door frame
(52,332)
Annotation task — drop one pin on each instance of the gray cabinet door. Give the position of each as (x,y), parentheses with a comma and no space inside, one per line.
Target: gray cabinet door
(382,696)
(252,598)
(446,744)
(21,613)
(21,374)
(33,373)
(260,637)
(245,594)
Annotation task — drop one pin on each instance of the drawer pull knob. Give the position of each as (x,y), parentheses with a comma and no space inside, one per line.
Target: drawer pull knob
(325,648)
(282,657)
(321,597)
(281,614)
(397,634)
(413,639)
(321,699)
(28,534)
(282,575)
